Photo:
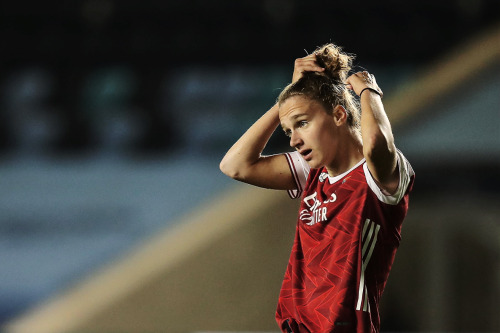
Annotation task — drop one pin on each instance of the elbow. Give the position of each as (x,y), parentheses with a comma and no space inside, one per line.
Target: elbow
(224,168)
(229,169)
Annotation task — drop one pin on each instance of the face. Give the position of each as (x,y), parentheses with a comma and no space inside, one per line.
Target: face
(312,131)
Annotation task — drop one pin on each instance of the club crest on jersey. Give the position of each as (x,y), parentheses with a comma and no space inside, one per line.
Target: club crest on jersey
(316,211)
(323,176)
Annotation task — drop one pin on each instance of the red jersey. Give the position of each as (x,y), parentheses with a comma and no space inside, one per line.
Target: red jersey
(346,237)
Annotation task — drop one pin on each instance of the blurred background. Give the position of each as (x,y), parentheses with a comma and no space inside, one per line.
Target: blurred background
(114,115)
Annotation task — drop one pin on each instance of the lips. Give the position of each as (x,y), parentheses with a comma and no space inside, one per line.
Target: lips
(306,154)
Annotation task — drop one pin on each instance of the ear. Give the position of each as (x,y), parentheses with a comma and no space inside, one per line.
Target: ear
(339,115)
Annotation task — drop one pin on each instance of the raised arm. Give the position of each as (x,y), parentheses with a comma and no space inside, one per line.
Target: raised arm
(244,160)
(378,141)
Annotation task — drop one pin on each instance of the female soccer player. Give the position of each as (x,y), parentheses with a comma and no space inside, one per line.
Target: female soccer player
(353,184)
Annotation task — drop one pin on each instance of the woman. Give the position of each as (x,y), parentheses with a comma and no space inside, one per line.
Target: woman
(353,184)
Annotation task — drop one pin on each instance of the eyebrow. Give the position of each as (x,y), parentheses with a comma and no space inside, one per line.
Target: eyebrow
(299,115)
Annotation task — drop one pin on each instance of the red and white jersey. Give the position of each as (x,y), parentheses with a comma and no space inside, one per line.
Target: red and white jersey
(346,237)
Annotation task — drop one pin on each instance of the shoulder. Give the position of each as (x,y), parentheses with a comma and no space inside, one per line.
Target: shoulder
(406,177)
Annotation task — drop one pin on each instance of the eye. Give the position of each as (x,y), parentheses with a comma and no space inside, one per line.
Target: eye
(288,133)
(302,123)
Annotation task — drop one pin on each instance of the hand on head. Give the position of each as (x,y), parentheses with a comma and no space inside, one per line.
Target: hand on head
(356,82)
(305,64)
(361,80)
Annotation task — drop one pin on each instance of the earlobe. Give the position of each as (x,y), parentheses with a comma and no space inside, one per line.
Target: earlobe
(339,115)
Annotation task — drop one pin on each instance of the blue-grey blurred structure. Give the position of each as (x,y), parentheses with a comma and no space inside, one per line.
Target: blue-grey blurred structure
(115,114)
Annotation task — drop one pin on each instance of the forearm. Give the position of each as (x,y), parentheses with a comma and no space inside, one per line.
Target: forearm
(249,147)
(376,129)
(378,140)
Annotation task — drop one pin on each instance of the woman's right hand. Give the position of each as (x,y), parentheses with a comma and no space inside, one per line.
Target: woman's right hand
(305,64)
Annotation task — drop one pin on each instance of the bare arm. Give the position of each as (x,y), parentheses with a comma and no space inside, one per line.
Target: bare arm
(378,141)
(245,162)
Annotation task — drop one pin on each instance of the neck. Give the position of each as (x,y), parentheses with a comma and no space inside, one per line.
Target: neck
(349,153)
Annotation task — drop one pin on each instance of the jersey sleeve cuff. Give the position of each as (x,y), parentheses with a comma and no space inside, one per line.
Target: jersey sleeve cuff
(300,171)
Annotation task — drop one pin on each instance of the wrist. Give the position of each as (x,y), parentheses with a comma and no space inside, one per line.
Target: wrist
(372,90)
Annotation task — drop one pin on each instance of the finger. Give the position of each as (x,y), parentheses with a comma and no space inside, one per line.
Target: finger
(306,61)
(309,65)
(312,55)
(309,68)
(353,78)
(313,68)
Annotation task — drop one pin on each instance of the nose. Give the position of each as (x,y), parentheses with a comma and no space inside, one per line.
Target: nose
(295,140)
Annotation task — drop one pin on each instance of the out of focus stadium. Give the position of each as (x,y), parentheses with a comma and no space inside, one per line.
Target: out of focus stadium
(114,115)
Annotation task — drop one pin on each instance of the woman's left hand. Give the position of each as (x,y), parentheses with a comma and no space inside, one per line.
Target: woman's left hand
(361,80)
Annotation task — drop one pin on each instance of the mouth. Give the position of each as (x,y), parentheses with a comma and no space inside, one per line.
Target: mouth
(306,154)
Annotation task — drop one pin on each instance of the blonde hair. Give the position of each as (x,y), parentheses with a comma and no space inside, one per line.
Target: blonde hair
(328,87)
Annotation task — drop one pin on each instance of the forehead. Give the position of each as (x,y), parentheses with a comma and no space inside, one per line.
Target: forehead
(298,105)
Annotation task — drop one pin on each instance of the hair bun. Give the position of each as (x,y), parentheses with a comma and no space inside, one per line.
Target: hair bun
(336,63)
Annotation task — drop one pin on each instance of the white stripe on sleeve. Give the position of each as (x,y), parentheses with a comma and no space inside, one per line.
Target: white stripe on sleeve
(300,171)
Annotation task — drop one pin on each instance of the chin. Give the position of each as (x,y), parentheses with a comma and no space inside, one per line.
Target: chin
(314,165)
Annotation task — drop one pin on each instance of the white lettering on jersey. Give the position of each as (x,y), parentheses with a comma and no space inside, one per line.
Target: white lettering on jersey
(312,202)
(333,197)
(315,213)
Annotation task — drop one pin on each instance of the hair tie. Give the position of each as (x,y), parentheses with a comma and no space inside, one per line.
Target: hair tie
(372,89)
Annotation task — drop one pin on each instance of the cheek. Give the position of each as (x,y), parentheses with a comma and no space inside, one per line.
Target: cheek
(328,143)
(326,134)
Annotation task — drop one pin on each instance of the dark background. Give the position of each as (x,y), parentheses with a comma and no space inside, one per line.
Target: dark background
(110,109)
(70,39)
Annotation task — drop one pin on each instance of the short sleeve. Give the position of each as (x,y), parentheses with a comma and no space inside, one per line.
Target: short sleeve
(300,171)
(405,175)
